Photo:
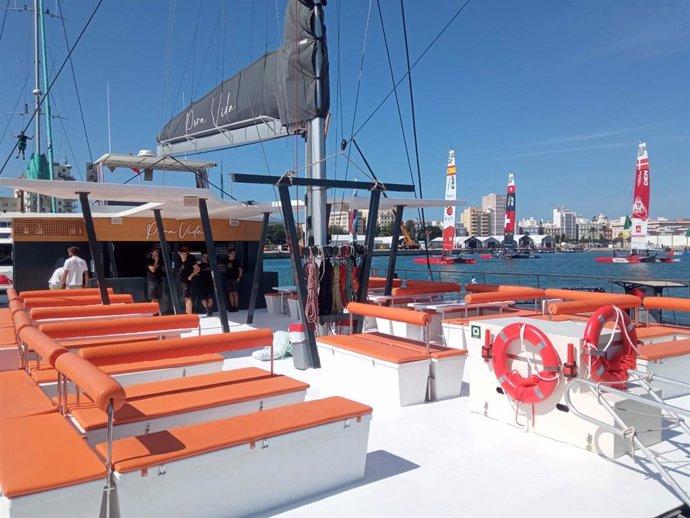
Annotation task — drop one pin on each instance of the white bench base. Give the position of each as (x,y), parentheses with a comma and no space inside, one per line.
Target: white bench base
(372,381)
(241,481)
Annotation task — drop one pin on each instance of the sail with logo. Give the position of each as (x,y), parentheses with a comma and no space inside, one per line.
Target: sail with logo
(639,248)
(275,96)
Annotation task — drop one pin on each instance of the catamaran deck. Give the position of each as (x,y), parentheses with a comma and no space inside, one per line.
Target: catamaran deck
(439,459)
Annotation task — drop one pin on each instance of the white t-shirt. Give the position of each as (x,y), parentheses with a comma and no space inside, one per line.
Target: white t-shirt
(75,267)
(56,278)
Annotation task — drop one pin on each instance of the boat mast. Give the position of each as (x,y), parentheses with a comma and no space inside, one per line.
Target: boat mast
(37,81)
(49,128)
(317,139)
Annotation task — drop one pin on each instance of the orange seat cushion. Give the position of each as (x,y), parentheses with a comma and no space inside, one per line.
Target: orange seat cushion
(507,312)
(145,451)
(20,396)
(44,452)
(435,351)
(157,406)
(49,375)
(8,337)
(654,331)
(380,351)
(171,386)
(662,350)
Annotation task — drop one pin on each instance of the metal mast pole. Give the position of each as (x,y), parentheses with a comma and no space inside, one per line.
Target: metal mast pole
(49,128)
(37,92)
(317,136)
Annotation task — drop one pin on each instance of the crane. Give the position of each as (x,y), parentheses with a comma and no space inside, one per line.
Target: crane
(409,244)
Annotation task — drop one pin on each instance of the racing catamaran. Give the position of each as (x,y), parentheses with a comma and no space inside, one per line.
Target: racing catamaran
(448,220)
(639,251)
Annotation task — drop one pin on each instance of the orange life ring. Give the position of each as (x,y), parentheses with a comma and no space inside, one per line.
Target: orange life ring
(610,365)
(537,387)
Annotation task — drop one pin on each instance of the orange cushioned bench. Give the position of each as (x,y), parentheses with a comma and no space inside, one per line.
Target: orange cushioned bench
(182,406)
(76,313)
(407,366)
(47,302)
(83,292)
(64,332)
(20,396)
(661,350)
(296,441)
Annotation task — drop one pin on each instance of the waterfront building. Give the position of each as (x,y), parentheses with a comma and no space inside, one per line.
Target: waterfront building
(476,221)
(495,205)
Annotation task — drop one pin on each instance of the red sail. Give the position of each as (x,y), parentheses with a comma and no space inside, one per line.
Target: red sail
(509,231)
(640,208)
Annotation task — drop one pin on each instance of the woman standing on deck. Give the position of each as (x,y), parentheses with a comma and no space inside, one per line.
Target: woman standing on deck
(154,276)
(206,284)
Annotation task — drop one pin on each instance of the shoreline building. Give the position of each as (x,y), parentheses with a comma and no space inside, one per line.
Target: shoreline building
(476,221)
(495,205)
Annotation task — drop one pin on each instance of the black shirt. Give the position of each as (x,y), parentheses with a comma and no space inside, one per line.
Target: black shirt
(232,269)
(186,268)
(205,279)
(157,274)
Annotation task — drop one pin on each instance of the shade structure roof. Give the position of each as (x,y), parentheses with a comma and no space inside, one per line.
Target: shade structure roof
(182,202)
(161,163)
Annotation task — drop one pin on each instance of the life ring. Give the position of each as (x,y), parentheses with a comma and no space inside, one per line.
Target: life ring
(537,387)
(610,364)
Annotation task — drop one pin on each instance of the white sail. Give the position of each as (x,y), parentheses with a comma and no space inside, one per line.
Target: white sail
(449,212)
(640,209)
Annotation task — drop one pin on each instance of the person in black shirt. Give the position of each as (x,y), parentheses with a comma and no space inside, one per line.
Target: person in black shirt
(206,284)
(154,275)
(233,275)
(186,271)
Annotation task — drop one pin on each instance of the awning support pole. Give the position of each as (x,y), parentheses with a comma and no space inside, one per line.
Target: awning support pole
(258,270)
(369,252)
(169,274)
(213,260)
(291,231)
(394,250)
(93,245)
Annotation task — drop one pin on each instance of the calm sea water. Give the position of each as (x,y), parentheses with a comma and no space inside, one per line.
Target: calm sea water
(550,270)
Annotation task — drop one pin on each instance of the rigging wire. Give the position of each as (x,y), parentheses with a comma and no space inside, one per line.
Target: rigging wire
(195,40)
(52,82)
(421,56)
(4,19)
(397,100)
(76,88)
(414,133)
(14,109)
(184,73)
(208,51)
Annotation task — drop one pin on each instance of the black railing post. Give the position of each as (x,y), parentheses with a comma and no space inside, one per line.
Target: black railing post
(369,249)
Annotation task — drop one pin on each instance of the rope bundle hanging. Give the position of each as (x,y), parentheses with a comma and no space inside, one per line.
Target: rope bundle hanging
(350,293)
(326,288)
(311,306)
(337,306)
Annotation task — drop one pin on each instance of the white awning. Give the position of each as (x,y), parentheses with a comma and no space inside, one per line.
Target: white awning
(157,163)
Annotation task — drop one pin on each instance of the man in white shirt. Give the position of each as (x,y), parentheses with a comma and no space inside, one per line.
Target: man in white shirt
(76,273)
(55,280)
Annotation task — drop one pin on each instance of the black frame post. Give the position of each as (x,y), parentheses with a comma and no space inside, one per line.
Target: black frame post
(213,261)
(394,249)
(259,270)
(289,221)
(93,245)
(165,252)
(369,248)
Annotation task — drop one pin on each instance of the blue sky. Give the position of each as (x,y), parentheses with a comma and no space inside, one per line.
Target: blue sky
(557,92)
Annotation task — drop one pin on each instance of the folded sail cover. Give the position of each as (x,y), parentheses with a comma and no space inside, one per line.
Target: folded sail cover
(270,98)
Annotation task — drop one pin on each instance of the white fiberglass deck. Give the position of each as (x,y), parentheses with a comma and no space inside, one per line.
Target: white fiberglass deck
(438,459)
